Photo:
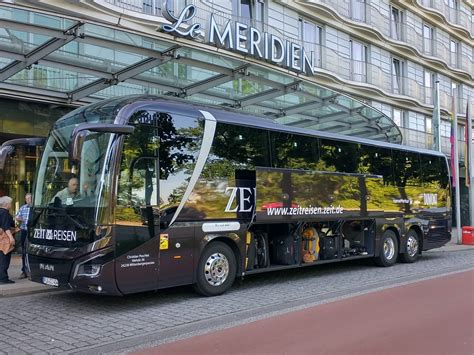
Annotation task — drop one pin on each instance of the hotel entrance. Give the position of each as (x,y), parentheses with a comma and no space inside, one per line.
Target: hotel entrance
(19,120)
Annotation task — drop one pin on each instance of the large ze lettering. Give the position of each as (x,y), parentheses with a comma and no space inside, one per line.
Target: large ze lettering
(242,197)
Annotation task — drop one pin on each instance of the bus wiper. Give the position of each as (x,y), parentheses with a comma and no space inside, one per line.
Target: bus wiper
(56,211)
(70,217)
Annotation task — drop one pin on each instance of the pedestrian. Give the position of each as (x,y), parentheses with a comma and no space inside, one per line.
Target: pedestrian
(7,225)
(22,217)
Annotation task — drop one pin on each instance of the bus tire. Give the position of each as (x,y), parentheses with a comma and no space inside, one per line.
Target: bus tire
(388,249)
(412,247)
(216,270)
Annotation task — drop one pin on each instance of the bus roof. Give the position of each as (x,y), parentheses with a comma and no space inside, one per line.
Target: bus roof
(119,109)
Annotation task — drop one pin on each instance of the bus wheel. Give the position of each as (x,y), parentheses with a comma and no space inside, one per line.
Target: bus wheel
(216,270)
(412,247)
(389,252)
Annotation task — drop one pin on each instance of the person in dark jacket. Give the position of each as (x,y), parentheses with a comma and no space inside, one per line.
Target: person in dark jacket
(22,217)
(6,223)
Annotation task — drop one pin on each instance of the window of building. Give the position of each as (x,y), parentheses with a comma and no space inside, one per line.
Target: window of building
(357,8)
(250,11)
(428,83)
(396,23)
(454,52)
(456,91)
(397,75)
(311,36)
(445,128)
(428,39)
(417,122)
(461,133)
(358,61)
(453,10)
(398,117)
(152,7)
(429,125)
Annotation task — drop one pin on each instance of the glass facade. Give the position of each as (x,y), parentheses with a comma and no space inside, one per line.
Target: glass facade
(69,63)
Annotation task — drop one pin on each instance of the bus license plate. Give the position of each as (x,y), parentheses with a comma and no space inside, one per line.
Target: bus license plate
(50,281)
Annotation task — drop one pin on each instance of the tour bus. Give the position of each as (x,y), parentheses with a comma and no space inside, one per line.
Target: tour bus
(142,193)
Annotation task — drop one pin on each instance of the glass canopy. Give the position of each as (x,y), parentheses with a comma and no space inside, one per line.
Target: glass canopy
(56,59)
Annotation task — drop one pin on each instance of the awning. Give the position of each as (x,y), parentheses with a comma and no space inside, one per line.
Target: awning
(56,59)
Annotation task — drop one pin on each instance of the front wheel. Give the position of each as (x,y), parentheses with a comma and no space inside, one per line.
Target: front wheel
(389,249)
(412,247)
(216,270)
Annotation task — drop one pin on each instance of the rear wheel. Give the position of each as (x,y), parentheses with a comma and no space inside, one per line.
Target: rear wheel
(216,270)
(412,247)
(389,249)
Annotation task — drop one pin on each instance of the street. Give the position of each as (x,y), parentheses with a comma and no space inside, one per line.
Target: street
(404,319)
(58,322)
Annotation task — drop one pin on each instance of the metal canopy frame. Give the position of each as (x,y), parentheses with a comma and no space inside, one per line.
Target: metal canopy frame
(277,95)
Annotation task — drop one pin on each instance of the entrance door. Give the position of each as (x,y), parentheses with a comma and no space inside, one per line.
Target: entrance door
(137,222)
(16,179)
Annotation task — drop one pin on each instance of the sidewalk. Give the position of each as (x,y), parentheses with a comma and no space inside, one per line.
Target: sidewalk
(25,286)
(20,287)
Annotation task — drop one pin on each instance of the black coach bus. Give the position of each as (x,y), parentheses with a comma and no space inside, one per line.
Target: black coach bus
(140,193)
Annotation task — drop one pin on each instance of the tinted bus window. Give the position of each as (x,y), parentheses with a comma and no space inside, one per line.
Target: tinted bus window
(165,147)
(430,169)
(294,151)
(376,161)
(244,147)
(443,173)
(407,169)
(338,156)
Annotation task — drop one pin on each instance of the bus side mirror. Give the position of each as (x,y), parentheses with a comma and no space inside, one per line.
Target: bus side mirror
(78,135)
(5,151)
(8,147)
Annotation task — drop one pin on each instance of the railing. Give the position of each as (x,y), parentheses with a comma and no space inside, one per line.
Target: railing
(424,140)
(372,74)
(407,32)
(452,15)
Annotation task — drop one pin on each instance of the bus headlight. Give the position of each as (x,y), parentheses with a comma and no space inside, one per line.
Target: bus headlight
(88,270)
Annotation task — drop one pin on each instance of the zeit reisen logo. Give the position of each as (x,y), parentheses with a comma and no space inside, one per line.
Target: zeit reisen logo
(55,234)
(242,38)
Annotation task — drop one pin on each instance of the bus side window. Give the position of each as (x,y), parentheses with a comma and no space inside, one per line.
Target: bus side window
(376,161)
(443,173)
(244,147)
(138,185)
(430,170)
(407,167)
(339,156)
(294,151)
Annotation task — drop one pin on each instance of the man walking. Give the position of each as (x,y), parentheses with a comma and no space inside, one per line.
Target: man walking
(22,217)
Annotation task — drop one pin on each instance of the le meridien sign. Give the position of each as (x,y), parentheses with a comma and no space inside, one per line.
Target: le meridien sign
(242,38)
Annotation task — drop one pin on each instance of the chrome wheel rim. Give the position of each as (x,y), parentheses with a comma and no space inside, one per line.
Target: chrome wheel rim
(412,245)
(216,269)
(389,248)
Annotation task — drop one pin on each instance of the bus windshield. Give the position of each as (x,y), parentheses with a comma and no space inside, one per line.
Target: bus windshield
(75,191)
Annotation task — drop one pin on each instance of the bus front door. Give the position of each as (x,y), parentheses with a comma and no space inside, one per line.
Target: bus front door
(137,230)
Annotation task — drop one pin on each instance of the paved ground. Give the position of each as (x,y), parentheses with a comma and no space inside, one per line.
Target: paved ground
(64,321)
(404,319)
(22,287)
